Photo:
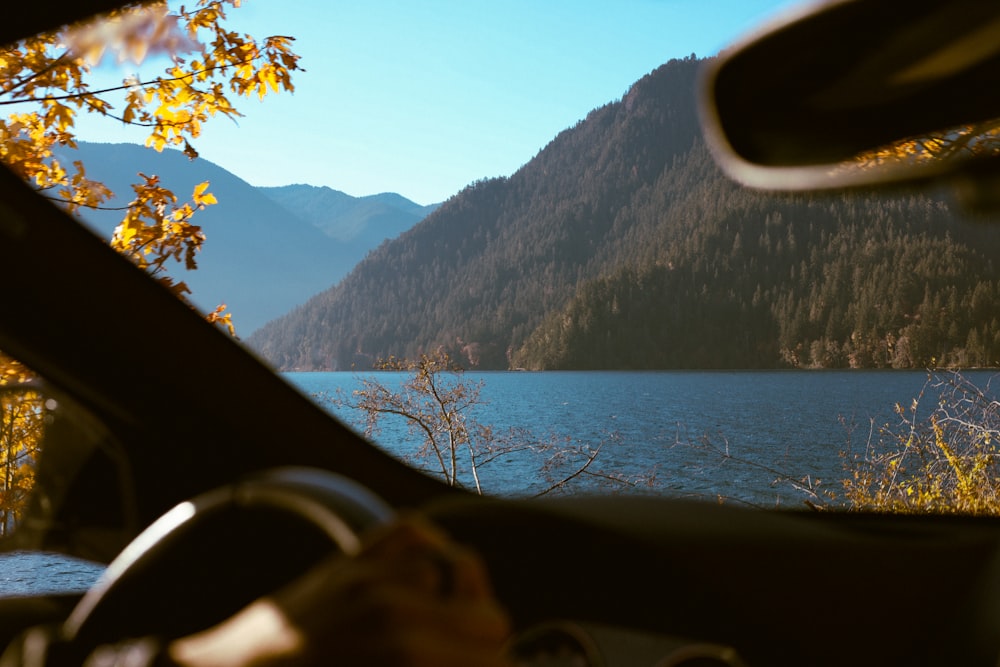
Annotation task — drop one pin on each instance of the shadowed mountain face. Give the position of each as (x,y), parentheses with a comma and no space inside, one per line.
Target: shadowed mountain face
(620,245)
(260,257)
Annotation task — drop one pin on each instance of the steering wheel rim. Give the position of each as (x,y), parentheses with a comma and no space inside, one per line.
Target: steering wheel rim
(335,509)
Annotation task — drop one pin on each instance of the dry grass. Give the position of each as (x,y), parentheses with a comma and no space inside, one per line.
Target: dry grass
(940,458)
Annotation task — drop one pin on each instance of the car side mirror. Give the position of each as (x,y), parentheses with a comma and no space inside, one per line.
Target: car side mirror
(59,461)
(860,92)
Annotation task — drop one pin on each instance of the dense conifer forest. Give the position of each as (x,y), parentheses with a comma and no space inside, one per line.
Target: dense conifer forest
(621,245)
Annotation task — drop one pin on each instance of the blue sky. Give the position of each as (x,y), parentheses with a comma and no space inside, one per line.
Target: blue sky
(422,97)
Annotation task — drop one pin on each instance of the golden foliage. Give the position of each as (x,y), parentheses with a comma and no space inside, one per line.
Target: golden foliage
(944,461)
(12,371)
(960,143)
(22,419)
(44,81)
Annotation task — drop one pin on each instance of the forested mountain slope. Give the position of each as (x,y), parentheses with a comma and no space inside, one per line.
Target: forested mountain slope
(620,245)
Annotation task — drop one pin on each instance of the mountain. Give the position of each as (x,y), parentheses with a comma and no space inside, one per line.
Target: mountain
(360,222)
(260,258)
(621,245)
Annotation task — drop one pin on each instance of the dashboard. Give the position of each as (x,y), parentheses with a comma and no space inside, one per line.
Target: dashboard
(565,643)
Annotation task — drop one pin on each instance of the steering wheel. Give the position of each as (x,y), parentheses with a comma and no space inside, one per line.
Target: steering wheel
(209,557)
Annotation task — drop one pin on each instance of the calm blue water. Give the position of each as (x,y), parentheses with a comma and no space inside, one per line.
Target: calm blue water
(34,573)
(790,422)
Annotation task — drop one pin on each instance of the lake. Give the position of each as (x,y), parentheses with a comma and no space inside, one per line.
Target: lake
(648,424)
(35,573)
(670,431)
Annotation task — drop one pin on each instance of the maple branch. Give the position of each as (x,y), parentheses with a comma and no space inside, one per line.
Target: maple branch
(135,123)
(92,207)
(139,84)
(34,75)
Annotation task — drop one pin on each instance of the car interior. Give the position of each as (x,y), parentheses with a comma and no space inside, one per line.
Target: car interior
(169,479)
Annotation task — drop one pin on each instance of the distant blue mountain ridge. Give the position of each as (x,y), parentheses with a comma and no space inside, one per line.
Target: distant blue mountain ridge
(267,249)
(368,220)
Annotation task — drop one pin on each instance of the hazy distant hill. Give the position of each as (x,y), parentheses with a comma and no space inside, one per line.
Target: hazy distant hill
(260,258)
(363,221)
(620,245)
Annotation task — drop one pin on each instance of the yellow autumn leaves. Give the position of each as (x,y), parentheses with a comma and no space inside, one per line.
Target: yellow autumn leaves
(942,459)
(22,420)
(156,229)
(958,143)
(44,81)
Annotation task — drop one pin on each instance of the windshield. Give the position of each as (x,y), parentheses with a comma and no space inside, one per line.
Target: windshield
(492,240)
